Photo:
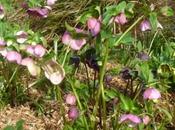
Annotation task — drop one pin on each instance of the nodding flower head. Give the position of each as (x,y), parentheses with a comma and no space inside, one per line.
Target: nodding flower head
(39,12)
(73,113)
(13,56)
(94,26)
(21,36)
(131,119)
(151,93)
(145,25)
(70,99)
(121,19)
(36,50)
(2,13)
(75,44)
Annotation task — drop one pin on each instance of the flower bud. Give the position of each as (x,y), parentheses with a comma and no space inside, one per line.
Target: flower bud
(70,99)
(73,113)
(94,26)
(121,19)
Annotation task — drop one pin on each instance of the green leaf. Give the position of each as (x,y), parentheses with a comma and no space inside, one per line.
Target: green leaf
(19,125)
(9,128)
(167,11)
(153,20)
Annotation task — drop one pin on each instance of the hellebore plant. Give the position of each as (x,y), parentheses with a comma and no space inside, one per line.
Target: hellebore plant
(94,26)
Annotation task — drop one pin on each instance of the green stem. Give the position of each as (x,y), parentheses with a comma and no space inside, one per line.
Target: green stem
(59,98)
(101,91)
(65,56)
(151,44)
(12,77)
(79,104)
(121,37)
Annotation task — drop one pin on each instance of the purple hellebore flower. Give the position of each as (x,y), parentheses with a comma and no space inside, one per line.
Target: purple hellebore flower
(121,19)
(73,113)
(75,44)
(13,56)
(94,26)
(151,93)
(30,49)
(39,51)
(39,12)
(51,2)
(2,14)
(70,99)
(145,25)
(133,119)
(21,36)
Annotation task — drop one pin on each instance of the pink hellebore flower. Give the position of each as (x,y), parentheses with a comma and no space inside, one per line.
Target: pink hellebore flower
(75,44)
(70,99)
(121,19)
(2,14)
(21,36)
(33,69)
(13,56)
(73,113)
(39,51)
(54,72)
(146,120)
(94,26)
(132,119)
(151,93)
(39,12)
(145,25)
(2,42)
(51,2)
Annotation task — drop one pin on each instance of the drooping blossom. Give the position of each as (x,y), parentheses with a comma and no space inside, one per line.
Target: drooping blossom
(126,73)
(73,113)
(145,25)
(151,93)
(51,2)
(39,12)
(33,69)
(131,119)
(146,119)
(2,13)
(75,44)
(121,19)
(36,50)
(21,36)
(54,72)
(3,52)
(70,99)
(2,42)
(94,26)
(13,56)
(39,51)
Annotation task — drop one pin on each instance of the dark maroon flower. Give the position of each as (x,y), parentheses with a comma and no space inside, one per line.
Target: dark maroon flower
(24,5)
(75,60)
(126,73)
